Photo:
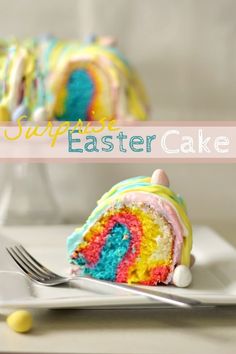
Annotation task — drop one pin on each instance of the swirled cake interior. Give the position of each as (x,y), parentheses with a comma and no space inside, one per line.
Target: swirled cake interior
(138,233)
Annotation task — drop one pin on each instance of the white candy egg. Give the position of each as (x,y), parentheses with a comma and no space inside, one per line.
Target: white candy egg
(182,276)
(19,112)
(40,115)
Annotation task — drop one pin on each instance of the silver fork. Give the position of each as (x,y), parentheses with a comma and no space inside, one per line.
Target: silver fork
(40,274)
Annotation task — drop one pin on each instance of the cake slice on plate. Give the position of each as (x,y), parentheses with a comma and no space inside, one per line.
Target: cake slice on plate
(138,233)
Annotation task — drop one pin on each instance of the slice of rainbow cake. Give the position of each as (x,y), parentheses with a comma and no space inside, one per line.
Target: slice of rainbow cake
(138,233)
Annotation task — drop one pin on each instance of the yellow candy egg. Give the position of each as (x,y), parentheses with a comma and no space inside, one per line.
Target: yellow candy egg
(5,115)
(20,321)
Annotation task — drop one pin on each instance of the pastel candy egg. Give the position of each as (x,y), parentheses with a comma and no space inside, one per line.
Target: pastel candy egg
(108,41)
(19,112)
(20,321)
(160,177)
(5,115)
(182,276)
(40,115)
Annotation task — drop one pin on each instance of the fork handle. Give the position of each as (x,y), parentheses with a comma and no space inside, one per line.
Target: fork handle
(171,299)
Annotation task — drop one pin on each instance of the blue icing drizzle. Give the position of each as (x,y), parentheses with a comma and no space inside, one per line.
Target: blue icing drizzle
(131,186)
(80,89)
(51,44)
(114,250)
(73,240)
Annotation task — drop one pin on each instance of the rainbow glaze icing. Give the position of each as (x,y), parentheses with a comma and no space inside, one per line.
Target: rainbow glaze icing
(138,233)
(52,79)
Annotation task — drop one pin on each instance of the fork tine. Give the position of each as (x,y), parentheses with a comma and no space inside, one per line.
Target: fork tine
(28,262)
(24,266)
(42,267)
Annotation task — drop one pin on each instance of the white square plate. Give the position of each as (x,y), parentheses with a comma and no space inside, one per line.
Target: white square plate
(214,280)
